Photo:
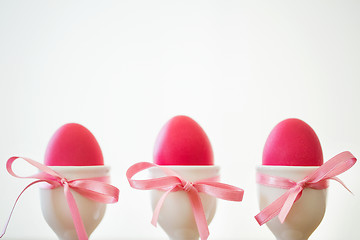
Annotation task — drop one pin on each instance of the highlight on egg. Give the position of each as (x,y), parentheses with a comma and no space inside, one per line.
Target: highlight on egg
(73,145)
(182,141)
(292,142)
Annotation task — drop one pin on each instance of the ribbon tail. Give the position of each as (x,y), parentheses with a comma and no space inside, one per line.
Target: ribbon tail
(293,193)
(158,207)
(12,210)
(78,223)
(271,210)
(342,183)
(199,214)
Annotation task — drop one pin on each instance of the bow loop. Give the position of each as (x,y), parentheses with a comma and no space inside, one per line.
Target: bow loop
(315,180)
(173,182)
(96,189)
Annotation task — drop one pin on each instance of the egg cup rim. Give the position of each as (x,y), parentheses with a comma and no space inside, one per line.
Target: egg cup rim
(79,167)
(279,167)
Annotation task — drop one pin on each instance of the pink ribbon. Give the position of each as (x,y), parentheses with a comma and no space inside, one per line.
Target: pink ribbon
(96,189)
(315,180)
(173,182)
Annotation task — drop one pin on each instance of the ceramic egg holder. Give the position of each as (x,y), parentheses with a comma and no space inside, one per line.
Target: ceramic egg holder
(306,213)
(55,208)
(176,216)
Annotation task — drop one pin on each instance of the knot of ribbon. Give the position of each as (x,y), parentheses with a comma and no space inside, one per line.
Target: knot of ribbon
(302,184)
(318,179)
(173,182)
(97,189)
(188,186)
(63,181)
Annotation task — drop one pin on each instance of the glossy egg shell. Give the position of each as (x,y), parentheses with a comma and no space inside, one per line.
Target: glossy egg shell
(292,142)
(183,142)
(73,145)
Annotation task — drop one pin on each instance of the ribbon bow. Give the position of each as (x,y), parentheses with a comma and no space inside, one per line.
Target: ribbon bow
(96,189)
(315,180)
(173,182)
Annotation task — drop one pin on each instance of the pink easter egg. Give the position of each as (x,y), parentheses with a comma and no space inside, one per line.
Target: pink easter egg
(183,142)
(73,145)
(292,142)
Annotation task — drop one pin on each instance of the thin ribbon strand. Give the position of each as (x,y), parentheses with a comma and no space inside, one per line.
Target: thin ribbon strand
(96,189)
(315,180)
(173,182)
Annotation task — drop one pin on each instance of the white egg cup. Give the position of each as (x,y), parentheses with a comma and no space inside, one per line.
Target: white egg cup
(55,208)
(306,213)
(176,215)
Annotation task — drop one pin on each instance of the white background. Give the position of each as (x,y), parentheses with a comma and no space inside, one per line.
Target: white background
(123,68)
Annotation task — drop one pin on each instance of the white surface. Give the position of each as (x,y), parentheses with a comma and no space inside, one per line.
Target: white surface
(123,68)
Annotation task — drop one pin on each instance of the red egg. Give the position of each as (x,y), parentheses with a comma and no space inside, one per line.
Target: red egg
(292,143)
(73,145)
(183,142)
